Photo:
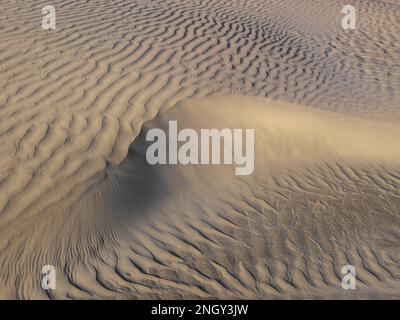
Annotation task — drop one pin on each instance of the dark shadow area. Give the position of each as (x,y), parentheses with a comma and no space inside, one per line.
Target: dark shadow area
(134,188)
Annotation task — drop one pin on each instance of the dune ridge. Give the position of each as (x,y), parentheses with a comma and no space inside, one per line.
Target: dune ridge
(325,193)
(73,101)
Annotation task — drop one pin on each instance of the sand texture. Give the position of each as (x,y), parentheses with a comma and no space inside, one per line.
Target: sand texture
(76,191)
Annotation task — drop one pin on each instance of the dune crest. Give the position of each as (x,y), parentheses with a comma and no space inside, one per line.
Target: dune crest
(77,192)
(322,185)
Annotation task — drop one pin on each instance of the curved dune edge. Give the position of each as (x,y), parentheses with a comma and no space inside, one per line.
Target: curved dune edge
(72,100)
(324,193)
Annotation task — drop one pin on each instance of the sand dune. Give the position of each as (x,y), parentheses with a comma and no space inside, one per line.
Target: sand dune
(76,191)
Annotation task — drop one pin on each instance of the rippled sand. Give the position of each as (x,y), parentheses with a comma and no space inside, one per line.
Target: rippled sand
(76,191)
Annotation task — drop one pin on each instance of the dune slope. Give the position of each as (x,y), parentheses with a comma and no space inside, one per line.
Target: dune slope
(77,193)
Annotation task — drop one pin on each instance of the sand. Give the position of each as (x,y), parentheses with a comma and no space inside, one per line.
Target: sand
(76,191)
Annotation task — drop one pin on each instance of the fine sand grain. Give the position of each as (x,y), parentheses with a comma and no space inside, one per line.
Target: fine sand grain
(77,193)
